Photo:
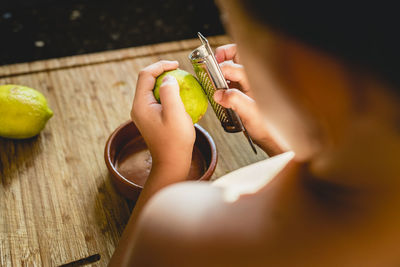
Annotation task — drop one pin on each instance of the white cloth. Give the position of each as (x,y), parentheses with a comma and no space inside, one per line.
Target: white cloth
(251,178)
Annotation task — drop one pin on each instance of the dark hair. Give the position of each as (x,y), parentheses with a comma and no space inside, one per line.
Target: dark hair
(363,34)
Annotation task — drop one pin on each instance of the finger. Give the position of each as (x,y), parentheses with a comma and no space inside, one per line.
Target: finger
(235,72)
(227,52)
(233,98)
(172,105)
(147,78)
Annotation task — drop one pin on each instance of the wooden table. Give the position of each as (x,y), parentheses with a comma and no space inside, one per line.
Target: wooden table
(57,204)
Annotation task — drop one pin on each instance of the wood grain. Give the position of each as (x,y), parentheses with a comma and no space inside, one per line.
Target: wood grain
(56,201)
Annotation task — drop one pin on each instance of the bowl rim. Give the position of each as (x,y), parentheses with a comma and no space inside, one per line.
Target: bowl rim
(214,155)
(111,167)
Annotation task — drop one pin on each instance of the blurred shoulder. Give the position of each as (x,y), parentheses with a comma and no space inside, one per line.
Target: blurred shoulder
(175,223)
(183,203)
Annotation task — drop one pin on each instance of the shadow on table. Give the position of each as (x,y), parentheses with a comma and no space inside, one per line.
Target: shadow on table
(17,156)
(112,210)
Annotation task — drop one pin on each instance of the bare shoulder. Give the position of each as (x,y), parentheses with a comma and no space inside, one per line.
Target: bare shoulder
(198,224)
(183,208)
(193,224)
(183,203)
(177,224)
(188,205)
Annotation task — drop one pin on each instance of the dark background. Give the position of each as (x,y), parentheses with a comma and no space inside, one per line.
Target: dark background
(40,29)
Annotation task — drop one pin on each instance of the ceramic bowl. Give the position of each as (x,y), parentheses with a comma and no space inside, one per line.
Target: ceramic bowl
(127,132)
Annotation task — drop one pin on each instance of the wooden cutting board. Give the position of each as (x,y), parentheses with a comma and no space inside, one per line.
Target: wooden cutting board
(56,201)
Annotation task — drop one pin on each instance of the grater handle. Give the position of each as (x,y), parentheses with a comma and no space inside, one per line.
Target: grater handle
(236,125)
(211,78)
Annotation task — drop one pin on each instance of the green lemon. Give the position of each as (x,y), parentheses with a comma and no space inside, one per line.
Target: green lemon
(23,111)
(193,97)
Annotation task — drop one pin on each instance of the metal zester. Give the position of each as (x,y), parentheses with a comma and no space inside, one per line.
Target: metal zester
(211,78)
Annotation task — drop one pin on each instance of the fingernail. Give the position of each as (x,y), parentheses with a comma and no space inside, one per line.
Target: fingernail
(168,79)
(218,95)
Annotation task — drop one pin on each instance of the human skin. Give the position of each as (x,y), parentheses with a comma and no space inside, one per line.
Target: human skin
(165,129)
(335,204)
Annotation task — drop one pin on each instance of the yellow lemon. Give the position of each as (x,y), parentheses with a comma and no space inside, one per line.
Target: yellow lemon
(193,97)
(23,111)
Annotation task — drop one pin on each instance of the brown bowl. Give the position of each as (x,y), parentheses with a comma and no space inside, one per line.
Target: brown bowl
(119,144)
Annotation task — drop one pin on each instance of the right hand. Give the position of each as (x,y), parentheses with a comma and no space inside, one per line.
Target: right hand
(240,99)
(167,128)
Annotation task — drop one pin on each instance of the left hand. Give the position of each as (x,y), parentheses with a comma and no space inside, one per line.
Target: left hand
(169,134)
(167,128)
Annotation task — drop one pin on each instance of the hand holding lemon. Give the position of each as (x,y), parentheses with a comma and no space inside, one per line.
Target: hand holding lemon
(23,111)
(191,93)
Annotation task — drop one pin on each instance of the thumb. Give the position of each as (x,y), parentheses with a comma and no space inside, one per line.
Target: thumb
(238,101)
(169,97)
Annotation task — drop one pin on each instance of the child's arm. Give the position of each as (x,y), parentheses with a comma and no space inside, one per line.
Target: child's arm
(169,134)
(241,100)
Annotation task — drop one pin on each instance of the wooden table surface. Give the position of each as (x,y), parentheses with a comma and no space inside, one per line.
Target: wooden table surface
(57,203)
